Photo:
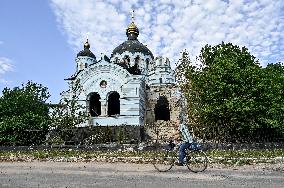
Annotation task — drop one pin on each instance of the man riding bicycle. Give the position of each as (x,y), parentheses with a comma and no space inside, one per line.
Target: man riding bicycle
(182,133)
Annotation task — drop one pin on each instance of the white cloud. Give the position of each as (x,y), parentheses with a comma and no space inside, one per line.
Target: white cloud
(163,19)
(5,66)
(167,27)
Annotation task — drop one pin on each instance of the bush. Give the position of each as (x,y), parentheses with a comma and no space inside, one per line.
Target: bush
(24,115)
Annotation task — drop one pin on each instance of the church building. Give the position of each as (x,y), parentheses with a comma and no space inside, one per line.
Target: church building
(131,87)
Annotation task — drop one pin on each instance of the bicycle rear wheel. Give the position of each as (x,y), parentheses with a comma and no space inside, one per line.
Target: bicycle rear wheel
(196,160)
(164,159)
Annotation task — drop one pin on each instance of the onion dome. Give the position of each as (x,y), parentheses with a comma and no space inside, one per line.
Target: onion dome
(132,44)
(86,52)
(132,31)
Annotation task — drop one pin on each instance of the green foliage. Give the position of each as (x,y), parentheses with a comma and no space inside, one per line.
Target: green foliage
(183,70)
(69,113)
(229,90)
(24,114)
(270,101)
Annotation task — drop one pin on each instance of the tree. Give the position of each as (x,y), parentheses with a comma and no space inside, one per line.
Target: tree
(24,114)
(229,92)
(184,70)
(270,101)
(68,114)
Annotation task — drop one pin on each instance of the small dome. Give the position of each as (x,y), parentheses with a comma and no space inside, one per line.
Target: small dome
(86,52)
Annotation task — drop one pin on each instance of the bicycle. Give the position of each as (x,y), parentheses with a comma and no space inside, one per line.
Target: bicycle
(166,154)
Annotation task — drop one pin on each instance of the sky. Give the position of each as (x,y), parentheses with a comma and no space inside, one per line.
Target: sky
(39,39)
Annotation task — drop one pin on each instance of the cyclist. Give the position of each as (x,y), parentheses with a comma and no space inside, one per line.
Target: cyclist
(182,133)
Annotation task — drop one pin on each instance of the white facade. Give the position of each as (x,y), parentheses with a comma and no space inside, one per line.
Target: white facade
(114,91)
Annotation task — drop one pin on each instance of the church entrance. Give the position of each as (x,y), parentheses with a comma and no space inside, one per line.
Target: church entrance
(94,104)
(113,104)
(162,111)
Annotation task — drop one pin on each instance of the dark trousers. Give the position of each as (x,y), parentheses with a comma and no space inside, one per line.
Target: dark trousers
(182,149)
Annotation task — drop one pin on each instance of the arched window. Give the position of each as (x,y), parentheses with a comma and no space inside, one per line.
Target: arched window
(162,111)
(113,104)
(137,59)
(126,61)
(94,104)
(147,63)
(134,69)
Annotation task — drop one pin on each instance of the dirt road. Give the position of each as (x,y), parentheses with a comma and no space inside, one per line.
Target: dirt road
(74,175)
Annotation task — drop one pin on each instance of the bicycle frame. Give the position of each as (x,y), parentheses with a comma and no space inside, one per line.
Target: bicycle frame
(196,159)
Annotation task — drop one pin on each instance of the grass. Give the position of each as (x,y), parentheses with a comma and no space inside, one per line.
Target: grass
(243,157)
(226,157)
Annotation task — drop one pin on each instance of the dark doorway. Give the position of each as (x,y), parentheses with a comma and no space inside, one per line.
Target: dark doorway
(113,104)
(95,104)
(162,111)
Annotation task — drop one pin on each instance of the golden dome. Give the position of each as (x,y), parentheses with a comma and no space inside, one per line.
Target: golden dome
(132,28)
(87,45)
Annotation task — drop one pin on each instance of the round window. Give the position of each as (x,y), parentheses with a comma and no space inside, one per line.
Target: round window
(103,84)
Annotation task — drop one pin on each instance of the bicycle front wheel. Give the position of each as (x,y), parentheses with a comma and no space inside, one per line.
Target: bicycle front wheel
(163,160)
(196,160)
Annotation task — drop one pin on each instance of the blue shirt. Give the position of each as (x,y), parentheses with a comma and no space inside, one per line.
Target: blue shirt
(186,136)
